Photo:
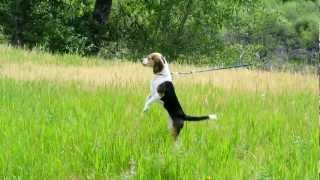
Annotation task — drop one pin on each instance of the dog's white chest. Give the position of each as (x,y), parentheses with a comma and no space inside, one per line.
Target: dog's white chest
(157,80)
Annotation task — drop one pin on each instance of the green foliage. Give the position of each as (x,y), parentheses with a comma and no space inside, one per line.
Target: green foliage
(290,27)
(305,18)
(173,27)
(57,26)
(2,38)
(206,30)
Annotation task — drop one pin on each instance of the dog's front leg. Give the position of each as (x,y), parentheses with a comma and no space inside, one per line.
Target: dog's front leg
(151,99)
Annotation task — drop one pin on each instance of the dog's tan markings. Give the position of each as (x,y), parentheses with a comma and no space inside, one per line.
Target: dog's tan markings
(157,62)
(174,133)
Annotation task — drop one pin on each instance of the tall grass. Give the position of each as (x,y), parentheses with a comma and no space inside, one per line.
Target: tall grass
(60,128)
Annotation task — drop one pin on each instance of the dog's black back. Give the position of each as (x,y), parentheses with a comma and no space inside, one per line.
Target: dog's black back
(170,100)
(172,105)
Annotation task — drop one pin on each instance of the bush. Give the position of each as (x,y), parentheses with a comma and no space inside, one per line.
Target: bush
(2,37)
(173,27)
(57,25)
(282,29)
(135,27)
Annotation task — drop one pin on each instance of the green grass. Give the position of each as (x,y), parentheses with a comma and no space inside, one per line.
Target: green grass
(61,131)
(68,130)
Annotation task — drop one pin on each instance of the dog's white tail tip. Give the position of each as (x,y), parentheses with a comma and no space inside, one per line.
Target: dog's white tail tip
(213,116)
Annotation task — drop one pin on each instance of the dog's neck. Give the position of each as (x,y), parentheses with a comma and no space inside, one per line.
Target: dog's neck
(165,74)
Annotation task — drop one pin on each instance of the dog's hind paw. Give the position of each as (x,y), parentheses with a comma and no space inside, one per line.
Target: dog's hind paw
(213,116)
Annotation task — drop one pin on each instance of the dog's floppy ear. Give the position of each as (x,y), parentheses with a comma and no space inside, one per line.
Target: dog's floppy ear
(158,66)
(163,59)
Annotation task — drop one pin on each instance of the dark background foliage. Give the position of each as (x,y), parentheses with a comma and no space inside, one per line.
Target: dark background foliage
(206,31)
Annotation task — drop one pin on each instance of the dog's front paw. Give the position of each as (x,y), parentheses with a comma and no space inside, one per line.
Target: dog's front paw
(145,109)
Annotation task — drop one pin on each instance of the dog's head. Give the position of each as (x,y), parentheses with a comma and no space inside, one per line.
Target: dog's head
(154,60)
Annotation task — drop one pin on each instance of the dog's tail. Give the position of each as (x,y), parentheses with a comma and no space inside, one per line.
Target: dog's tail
(199,118)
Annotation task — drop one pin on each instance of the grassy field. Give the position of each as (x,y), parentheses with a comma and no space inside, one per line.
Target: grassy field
(67,117)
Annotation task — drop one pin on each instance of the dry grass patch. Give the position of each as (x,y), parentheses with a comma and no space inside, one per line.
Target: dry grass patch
(126,74)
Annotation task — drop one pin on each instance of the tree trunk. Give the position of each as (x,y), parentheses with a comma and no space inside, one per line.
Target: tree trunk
(100,16)
(101,11)
(18,14)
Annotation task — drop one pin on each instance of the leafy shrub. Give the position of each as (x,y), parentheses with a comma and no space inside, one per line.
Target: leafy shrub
(173,27)
(58,25)
(289,28)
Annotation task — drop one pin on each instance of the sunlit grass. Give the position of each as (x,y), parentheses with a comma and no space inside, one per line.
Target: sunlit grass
(85,122)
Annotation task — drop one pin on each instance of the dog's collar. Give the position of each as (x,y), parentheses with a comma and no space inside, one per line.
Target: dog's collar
(160,74)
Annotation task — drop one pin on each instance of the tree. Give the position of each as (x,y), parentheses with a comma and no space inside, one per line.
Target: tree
(98,29)
(102,10)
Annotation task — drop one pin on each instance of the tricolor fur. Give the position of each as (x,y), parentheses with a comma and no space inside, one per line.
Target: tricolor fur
(162,89)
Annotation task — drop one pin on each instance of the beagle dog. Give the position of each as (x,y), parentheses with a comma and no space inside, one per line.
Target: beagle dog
(162,89)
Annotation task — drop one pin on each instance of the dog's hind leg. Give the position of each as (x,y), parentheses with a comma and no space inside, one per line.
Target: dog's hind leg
(177,125)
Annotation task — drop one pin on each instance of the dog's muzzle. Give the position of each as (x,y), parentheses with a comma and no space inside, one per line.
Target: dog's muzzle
(144,61)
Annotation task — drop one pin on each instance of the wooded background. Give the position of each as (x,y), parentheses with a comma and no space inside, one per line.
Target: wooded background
(197,31)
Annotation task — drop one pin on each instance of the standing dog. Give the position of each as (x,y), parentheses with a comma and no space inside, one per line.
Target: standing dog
(162,89)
